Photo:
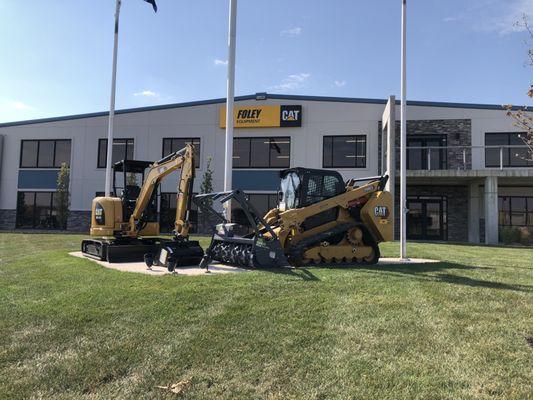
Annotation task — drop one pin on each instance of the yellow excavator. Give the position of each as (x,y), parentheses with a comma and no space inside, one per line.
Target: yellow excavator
(320,219)
(126,227)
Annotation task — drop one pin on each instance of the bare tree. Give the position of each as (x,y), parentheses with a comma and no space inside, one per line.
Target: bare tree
(522,118)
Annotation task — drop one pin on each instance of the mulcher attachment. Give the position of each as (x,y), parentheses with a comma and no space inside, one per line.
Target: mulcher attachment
(255,250)
(175,253)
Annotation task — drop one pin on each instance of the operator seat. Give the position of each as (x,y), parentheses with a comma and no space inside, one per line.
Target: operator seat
(130,194)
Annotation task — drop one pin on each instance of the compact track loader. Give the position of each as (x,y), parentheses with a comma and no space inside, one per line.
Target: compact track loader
(319,220)
(126,228)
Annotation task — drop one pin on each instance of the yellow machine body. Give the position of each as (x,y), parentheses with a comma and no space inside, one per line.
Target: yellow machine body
(110,211)
(320,219)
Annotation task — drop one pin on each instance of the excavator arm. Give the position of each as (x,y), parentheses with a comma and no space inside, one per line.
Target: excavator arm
(183,159)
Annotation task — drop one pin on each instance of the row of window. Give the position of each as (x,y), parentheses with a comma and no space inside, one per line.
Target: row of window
(257,152)
(274,152)
(38,210)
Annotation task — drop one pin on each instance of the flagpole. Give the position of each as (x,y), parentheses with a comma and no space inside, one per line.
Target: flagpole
(403,139)
(228,164)
(109,160)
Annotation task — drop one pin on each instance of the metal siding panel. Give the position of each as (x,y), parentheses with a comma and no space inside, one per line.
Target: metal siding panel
(35,179)
(256,180)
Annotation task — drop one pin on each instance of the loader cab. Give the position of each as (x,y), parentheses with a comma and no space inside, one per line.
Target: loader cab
(128,178)
(301,187)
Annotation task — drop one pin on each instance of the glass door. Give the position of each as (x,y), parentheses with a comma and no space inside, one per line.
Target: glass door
(426,219)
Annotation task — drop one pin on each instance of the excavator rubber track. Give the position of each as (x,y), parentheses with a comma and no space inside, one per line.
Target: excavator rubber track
(118,251)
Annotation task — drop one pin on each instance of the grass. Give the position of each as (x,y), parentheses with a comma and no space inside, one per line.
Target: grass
(70,329)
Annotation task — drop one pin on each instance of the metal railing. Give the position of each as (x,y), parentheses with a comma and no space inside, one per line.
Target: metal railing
(442,152)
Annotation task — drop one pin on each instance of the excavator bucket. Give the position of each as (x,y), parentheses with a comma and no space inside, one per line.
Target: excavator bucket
(258,249)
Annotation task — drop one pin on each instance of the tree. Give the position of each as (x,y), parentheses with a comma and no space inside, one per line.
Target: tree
(63,195)
(207,183)
(207,187)
(522,119)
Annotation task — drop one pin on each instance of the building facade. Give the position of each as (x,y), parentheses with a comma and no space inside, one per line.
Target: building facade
(467,170)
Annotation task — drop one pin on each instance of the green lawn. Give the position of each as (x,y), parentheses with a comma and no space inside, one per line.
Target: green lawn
(71,329)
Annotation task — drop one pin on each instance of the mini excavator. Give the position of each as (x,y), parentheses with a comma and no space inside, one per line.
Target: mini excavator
(126,228)
(320,219)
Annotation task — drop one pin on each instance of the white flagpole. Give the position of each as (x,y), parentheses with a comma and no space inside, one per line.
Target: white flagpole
(108,176)
(228,165)
(403,139)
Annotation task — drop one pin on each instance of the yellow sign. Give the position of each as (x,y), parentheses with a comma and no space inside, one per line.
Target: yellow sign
(264,116)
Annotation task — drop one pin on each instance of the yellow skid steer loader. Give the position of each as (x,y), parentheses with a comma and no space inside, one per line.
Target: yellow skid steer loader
(320,219)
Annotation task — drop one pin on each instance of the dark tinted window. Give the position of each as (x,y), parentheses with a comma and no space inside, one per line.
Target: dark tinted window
(28,157)
(170,145)
(344,151)
(167,213)
(44,153)
(424,152)
(515,210)
(241,153)
(37,210)
(122,150)
(262,152)
(516,156)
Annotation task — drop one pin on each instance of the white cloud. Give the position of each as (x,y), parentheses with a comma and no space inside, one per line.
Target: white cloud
(494,16)
(146,93)
(291,32)
(19,105)
(292,82)
(219,62)
(339,83)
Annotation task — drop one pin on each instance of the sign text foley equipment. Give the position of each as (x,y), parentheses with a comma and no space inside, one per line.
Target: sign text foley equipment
(275,116)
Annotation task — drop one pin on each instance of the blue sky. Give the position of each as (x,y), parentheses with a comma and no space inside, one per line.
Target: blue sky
(56,54)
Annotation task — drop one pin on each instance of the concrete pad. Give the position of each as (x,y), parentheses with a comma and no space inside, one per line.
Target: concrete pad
(216,268)
(140,267)
(399,261)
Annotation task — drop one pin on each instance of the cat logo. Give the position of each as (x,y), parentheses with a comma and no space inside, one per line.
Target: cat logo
(381,211)
(290,116)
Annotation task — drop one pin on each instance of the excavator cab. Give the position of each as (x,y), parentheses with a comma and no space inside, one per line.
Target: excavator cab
(133,173)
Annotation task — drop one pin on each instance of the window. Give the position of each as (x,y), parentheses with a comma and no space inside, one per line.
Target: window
(515,211)
(511,156)
(44,153)
(167,213)
(261,152)
(344,152)
(171,145)
(122,150)
(424,158)
(37,210)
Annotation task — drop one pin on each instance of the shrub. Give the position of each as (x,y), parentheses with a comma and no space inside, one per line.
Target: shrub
(525,238)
